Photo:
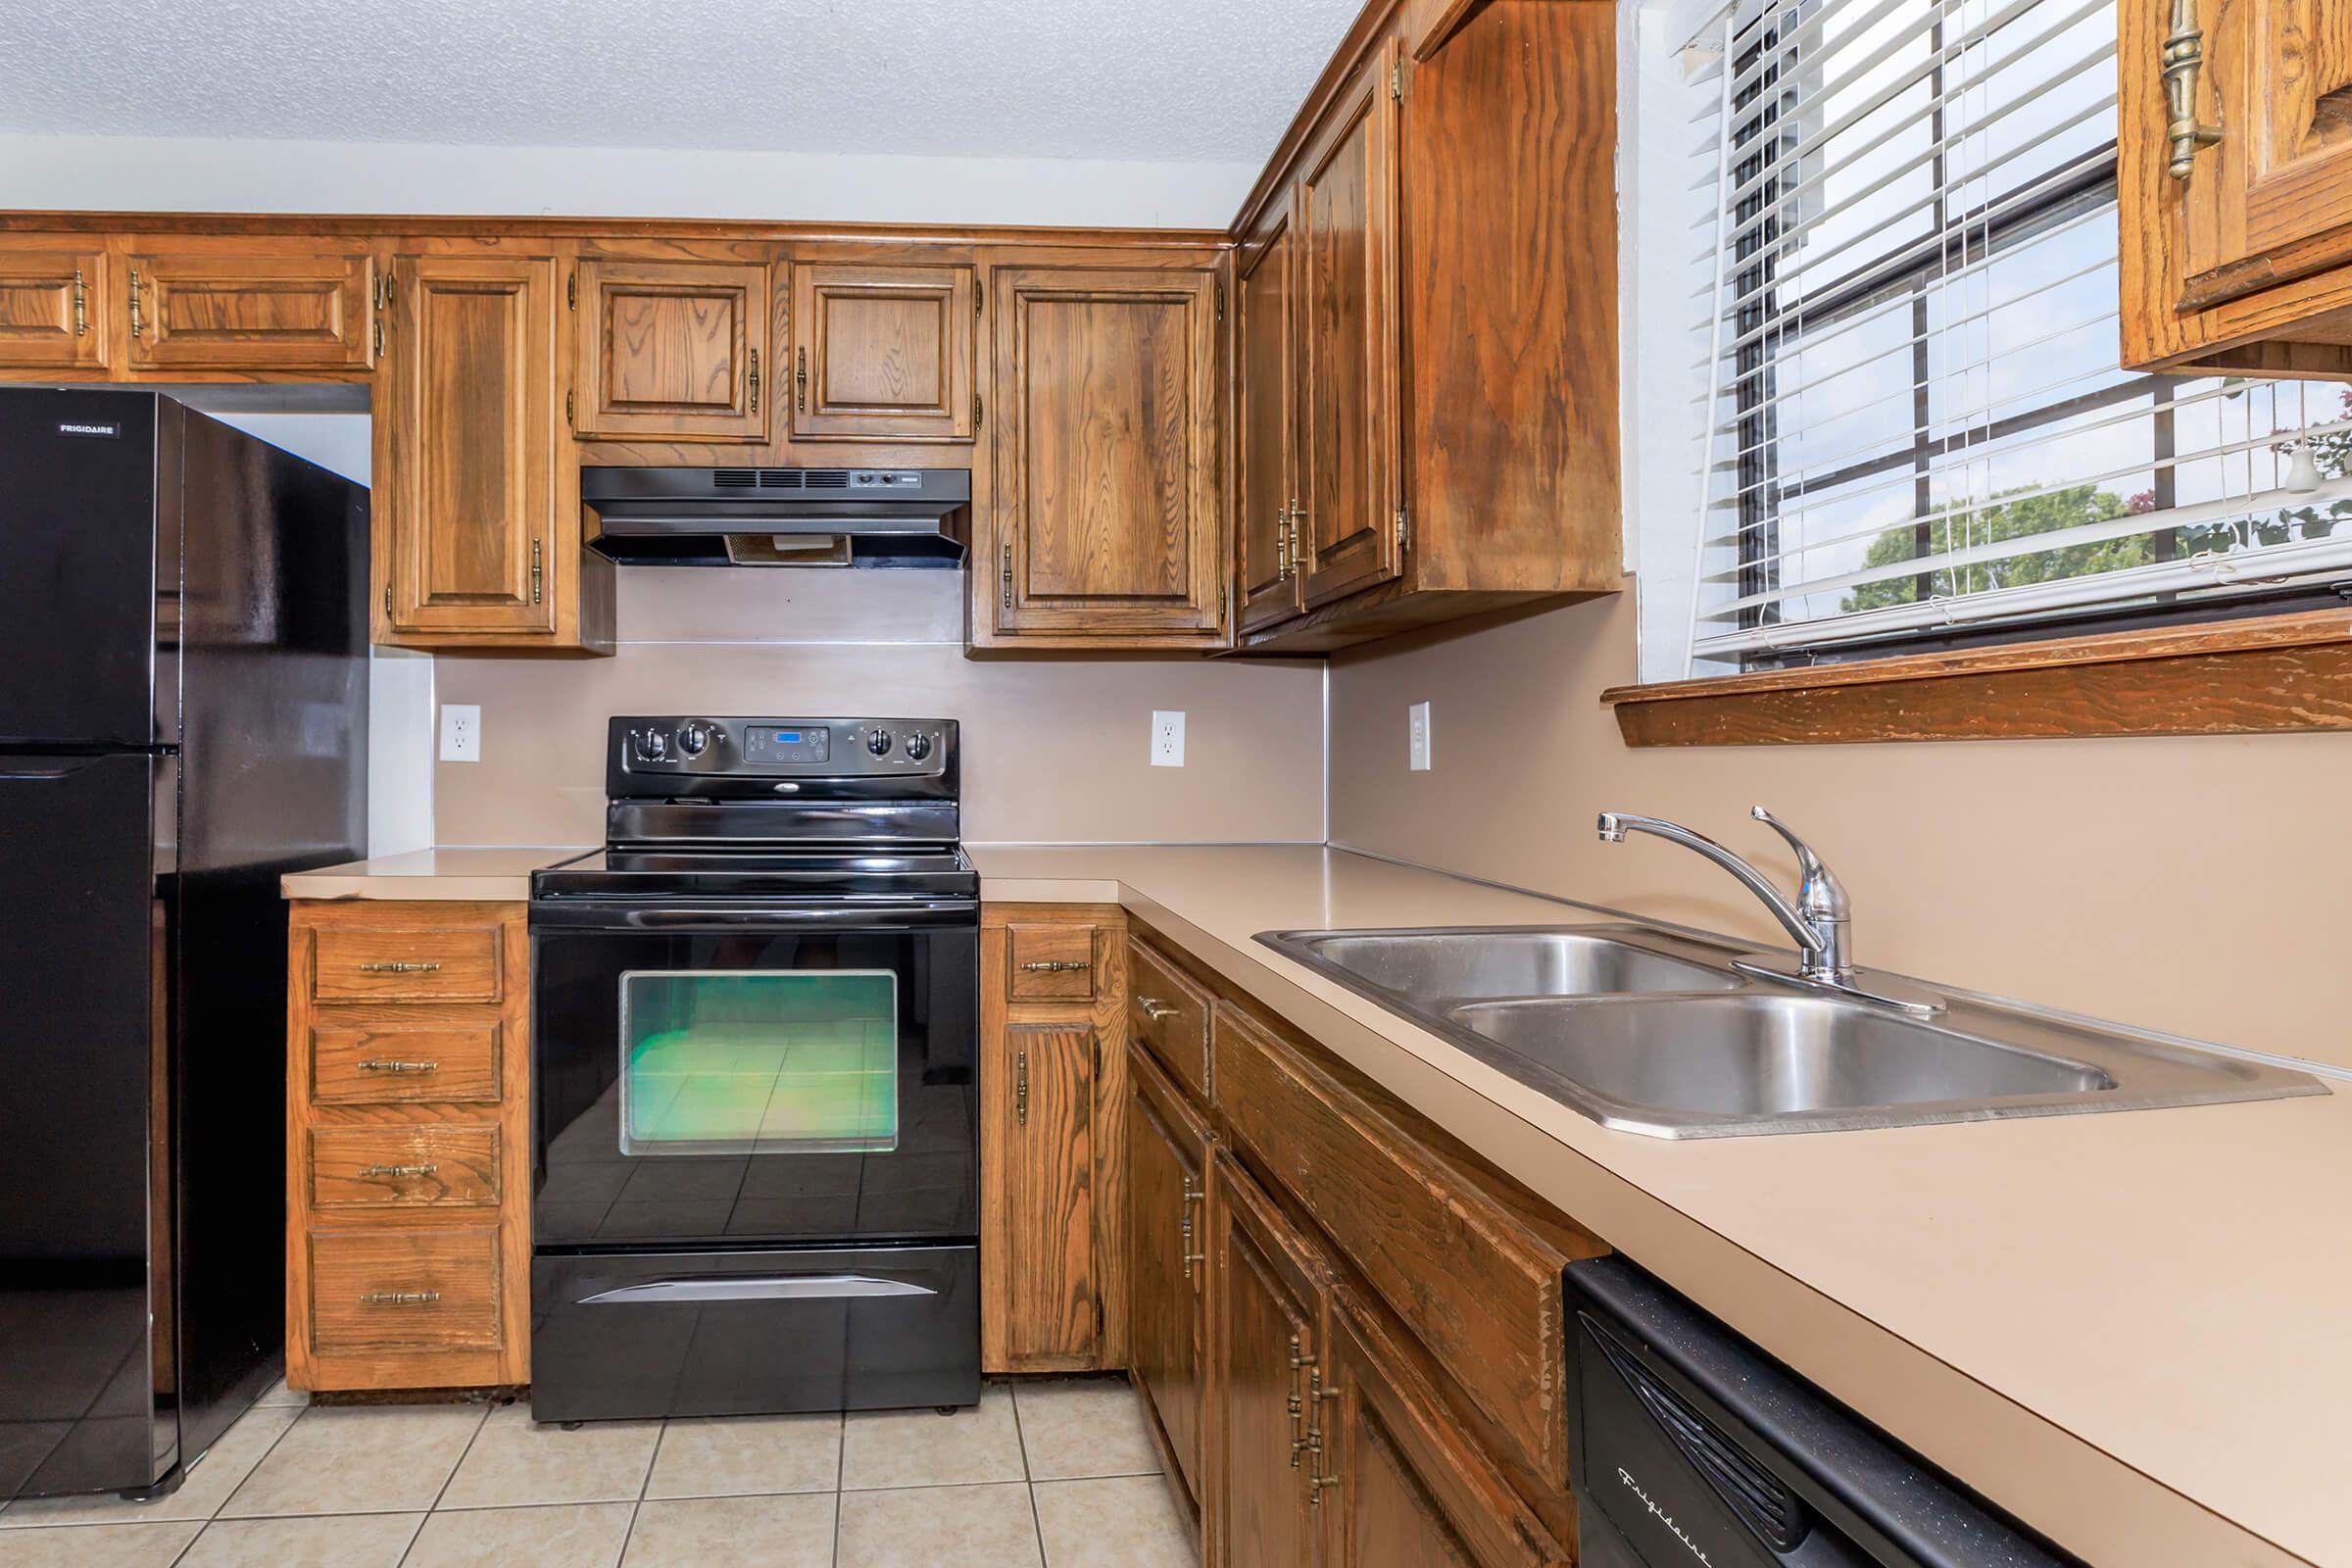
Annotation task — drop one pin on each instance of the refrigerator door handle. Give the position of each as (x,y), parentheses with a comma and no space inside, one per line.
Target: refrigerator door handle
(758,1287)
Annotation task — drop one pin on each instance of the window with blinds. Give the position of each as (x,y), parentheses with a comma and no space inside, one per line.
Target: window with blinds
(1919,433)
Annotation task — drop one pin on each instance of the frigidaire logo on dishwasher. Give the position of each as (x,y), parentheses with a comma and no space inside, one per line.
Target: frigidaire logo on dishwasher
(1661,1515)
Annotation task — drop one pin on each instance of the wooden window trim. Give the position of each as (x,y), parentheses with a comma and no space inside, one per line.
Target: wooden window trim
(2255,676)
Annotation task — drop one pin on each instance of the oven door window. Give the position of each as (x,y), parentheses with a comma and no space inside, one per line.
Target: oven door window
(759,1062)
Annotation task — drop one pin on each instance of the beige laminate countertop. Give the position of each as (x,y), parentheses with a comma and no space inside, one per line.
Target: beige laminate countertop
(2134,1331)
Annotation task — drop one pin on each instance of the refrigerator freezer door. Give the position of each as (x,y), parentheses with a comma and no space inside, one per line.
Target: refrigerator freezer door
(77,568)
(83,930)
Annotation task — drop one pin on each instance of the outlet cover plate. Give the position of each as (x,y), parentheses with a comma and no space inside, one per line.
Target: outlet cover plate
(1417,734)
(461,732)
(1167,738)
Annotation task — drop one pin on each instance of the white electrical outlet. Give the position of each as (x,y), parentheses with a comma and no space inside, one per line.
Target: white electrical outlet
(461,732)
(1167,738)
(1416,720)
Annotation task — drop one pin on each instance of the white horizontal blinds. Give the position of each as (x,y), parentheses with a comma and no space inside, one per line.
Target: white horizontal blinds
(1917,420)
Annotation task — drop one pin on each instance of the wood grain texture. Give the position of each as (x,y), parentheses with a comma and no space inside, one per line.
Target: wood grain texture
(1054,961)
(667,348)
(407,960)
(1107,515)
(461,1230)
(1168,1147)
(883,353)
(1414,1490)
(1475,1282)
(2275,673)
(1350,463)
(1168,1015)
(1265,399)
(283,307)
(1267,1287)
(434,1165)
(41,329)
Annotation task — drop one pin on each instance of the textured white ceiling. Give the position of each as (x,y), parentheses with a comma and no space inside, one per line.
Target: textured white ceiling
(1144,79)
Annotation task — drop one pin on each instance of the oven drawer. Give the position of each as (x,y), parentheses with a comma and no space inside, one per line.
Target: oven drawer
(768,1330)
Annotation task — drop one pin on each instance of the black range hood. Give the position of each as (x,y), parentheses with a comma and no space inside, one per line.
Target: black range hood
(779,517)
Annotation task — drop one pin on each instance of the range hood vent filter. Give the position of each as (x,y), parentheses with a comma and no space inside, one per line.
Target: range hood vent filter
(779,517)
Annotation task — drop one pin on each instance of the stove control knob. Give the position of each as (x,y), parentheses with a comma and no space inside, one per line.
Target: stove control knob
(694,736)
(651,746)
(879,741)
(918,746)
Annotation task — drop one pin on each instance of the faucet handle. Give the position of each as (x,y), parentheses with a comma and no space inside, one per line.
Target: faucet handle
(1821,894)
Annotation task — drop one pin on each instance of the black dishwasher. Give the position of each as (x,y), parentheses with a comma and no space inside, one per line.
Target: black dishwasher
(1693,1448)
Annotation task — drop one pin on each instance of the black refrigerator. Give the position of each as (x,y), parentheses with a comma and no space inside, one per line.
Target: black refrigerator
(183,717)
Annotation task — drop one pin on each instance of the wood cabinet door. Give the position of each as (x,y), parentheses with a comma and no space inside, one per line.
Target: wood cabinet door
(1402,1484)
(1040,1296)
(277,310)
(1350,479)
(1265,392)
(1106,513)
(2273,199)
(471,453)
(673,350)
(1168,1157)
(53,307)
(1267,1287)
(883,353)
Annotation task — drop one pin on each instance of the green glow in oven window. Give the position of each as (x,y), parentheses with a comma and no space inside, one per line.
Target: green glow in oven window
(759,1062)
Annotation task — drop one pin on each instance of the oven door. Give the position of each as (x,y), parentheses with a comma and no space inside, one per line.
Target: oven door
(782,1072)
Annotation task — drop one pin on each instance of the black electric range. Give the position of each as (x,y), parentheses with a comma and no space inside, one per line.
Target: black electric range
(755,1031)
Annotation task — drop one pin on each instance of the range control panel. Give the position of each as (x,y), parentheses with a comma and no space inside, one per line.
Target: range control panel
(671,746)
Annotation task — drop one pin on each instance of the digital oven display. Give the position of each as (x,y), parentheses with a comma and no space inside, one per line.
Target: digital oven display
(788,746)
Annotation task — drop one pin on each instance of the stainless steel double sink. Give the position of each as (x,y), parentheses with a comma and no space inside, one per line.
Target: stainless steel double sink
(1654,1032)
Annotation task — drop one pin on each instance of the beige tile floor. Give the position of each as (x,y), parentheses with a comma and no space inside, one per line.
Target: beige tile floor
(1055,1474)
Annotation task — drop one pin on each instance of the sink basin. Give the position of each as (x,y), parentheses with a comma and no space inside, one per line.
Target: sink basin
(1766,1054)
(1479,963)
(1654,1032)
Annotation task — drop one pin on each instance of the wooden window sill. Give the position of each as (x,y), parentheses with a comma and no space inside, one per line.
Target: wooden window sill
(2280,672)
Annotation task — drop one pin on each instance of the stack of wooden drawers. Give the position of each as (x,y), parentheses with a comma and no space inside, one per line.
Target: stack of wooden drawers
(408,1158)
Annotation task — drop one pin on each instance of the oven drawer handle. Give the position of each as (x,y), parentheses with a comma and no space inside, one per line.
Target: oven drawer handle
(758,1287)
(853,916)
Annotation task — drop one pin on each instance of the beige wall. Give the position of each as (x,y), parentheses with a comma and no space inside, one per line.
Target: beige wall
(2197,885)
(1055,749)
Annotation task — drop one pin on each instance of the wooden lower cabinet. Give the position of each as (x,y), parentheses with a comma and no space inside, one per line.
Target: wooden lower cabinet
(1402,1484)
(1168,1146)
(1268,1286)
(1052,1101)
(407,1179)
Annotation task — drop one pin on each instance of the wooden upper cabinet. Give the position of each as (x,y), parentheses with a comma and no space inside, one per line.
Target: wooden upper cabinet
(283,308)
(1106,509)
(673,350)
(473,475)
(1265,392)
(1350,463)
(883,353)
(53,307)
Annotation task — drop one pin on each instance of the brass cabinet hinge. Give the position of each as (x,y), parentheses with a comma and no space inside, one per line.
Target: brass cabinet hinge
(572,292)
(1397,81)
(976,410)
(1402,529)
(379,338)
(387,600)
(1220,299)
(567,397)
(538,575)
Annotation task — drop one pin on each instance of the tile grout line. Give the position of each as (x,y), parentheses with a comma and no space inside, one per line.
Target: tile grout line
(212,1518)
(1020,1438)
(431,1509)
(645,1484)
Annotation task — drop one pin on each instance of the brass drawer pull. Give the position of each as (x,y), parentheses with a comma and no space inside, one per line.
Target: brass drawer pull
(753,384)
(1020,1088)
(1301,1434)
(1056,965)
(799,377)
(135,324)
(398,1170)
(398,966)
(400,1066)
(1156,1009)
(81,306)
(1315,1395)
(2183,60)
(399,1297)
(1185,1254)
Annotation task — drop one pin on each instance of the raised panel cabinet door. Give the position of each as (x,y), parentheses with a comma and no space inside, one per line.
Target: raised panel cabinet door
(1350,358)
(1106,509)
(1265,390)
(883,353)
(1167,1153)
(53,309)
(1038,1201)
(472,439)
(674,349)
(1265,1331)
(1399,1483)
(2272,199)
(273,310)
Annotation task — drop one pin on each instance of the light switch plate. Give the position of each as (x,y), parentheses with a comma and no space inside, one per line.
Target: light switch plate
(1417,730)
(461,732)
(1167,738)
